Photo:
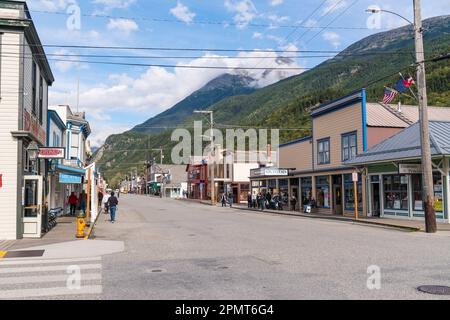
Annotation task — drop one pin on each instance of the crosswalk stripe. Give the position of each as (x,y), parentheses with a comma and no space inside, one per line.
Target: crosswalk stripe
(47,279)
(48,292)
(10,262)
(47,268)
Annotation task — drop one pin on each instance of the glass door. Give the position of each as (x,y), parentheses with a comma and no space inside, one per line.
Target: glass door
(32,206)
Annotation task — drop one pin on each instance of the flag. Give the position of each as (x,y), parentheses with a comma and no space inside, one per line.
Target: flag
(403,85)
(389,95)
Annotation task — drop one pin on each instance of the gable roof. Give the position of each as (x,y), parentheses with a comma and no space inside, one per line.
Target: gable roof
(406,145)
(379,115)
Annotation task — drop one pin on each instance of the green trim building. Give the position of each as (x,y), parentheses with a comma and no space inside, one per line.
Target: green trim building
(394,176)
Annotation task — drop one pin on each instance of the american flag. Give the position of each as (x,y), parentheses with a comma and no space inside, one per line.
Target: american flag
(389,95)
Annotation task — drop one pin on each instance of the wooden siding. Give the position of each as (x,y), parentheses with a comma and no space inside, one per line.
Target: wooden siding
(9,115)
(297,156)
(332,125)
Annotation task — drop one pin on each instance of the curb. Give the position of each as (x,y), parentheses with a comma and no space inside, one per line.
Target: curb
(343,219)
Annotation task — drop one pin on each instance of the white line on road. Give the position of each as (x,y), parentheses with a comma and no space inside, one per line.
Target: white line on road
(47,261)
(50,268)
(47,279)
(48,292)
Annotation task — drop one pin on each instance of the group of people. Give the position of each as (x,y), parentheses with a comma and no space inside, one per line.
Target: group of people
(108,203)
(268,201)
(224,199)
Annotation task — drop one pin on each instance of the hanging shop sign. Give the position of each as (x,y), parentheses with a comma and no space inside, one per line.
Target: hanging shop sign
(409,168)
(65,178)
(269,172)
(52,153)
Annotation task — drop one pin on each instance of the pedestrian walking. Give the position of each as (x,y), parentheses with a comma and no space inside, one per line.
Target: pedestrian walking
(105,203)
(83,201)
(293,202)
(112,204)
(249,200)
(231,198)
(223,200)
(261,201)
(73,202)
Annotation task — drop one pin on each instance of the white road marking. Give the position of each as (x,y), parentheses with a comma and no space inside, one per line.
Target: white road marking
(47,268)
(47,279)
(48,292)
(10,262)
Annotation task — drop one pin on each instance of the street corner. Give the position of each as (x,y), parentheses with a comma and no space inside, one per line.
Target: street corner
(75,249)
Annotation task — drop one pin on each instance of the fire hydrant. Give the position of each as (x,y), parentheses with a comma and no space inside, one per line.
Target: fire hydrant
(81,225)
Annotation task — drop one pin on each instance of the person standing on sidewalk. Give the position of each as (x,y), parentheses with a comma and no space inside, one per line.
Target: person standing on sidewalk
(249,200)
(112,204)
(100,199)
(83,201)
(73,201)
(231,198)
(223,200)
(254,200)
(105,203)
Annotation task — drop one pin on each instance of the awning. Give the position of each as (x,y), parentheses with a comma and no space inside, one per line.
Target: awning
(71,170)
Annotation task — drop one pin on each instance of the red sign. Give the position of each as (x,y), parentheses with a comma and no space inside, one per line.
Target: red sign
(1,180)
(52,153)
(31,124)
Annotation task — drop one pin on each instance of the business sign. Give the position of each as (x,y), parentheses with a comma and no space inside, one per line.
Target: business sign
(269,172)
(52,153)
(65,178)
(409,168)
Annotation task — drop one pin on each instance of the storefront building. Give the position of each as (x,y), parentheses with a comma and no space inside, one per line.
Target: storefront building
(197,180)
(23,123)
(319,169)
(393,167)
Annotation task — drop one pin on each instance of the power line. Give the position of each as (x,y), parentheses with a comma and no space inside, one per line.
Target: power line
(200,22)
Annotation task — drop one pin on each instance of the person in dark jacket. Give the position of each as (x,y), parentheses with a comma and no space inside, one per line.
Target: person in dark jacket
(249,200)
(112,204)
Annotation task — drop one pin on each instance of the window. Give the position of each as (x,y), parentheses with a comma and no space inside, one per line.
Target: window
(33,86)
(418,192)
(41,99)
(349,193)
(306,189)
(323,151)
(349,146)
(74,143)
(395,192)
(323,192)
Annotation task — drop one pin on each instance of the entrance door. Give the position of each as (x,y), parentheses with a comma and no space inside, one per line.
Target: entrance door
(32,207)
(337,199)
(376,201)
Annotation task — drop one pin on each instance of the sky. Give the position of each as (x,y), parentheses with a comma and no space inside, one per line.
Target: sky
(118,97)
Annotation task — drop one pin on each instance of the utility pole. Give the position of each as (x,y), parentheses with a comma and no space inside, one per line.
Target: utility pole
(430,215)
(211,167)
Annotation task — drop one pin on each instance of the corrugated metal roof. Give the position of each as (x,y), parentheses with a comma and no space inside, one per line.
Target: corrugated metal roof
(379,116)
(434,113)
(406,144)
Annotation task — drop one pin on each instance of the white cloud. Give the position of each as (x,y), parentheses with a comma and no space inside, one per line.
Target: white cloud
(48,5)
(124,25)
(157,89)
(276,19)
(333,5)
(257,35)
(109,5)
(276,2)
(182,12)
(69,63)
(245,11)
(333,38)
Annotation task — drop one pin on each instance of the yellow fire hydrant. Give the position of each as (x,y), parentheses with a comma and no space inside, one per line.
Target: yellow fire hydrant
(81,225)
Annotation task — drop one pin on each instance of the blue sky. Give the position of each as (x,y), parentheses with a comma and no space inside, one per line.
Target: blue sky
(116,98)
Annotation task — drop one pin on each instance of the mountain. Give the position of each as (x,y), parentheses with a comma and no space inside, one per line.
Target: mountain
(217,89)
(371,62)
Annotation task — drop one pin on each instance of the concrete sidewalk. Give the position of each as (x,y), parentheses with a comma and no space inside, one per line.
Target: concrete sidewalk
(406,225)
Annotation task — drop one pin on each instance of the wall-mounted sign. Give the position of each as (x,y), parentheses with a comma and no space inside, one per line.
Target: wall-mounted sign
(65,178)
(52,153)
(355,176)
(409,168)
(269,172)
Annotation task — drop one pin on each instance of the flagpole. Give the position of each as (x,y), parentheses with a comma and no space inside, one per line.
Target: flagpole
(409,88)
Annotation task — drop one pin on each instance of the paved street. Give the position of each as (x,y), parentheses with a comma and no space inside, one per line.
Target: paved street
(185,250)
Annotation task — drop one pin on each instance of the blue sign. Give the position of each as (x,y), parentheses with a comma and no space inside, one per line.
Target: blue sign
(69,178)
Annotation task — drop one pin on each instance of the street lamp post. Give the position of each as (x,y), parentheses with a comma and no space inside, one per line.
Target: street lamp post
(33,151)
(427,169)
